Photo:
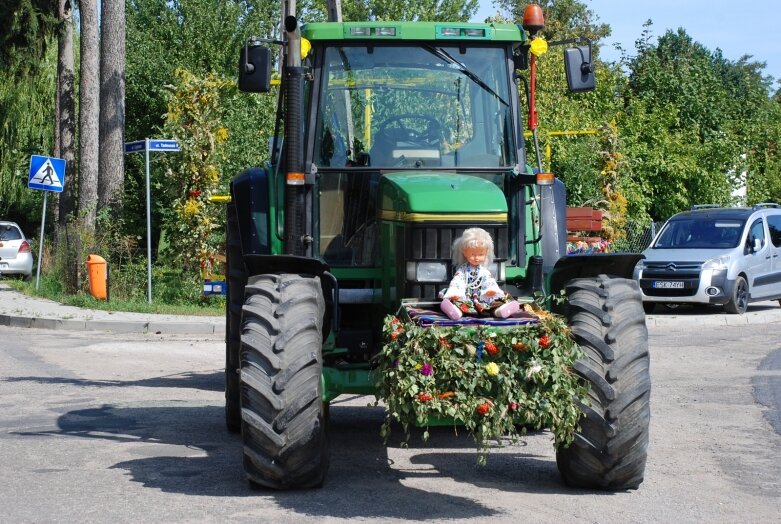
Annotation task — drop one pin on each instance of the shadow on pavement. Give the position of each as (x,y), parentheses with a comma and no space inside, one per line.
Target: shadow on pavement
(186,449)
(209,381)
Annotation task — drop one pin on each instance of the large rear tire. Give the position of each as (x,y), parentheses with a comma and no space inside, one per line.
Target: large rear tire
(283,416)
(236,274)
(610,448)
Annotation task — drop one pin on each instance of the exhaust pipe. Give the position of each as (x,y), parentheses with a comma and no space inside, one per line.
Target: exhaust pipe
(295,207)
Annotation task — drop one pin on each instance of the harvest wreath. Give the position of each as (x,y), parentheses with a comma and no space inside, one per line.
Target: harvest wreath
(495,380)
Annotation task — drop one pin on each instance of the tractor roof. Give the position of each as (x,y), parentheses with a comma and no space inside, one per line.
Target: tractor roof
(433,31)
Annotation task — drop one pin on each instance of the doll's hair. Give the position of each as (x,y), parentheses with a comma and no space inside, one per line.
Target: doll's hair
(473,237)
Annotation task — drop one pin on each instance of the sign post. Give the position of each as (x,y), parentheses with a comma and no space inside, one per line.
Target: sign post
(46,174)
(156,146)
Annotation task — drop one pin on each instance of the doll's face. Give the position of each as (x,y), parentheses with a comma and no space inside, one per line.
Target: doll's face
(475,255)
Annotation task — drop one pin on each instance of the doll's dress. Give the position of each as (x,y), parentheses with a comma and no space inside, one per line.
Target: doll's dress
(467,291)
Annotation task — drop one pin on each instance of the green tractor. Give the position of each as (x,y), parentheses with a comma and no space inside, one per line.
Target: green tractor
(395,137)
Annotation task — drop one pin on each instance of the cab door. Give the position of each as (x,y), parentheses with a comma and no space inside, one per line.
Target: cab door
(758,266)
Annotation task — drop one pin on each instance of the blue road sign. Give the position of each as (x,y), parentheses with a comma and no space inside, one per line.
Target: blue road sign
(46,173)
(163,145)
(135,147)
(154,146)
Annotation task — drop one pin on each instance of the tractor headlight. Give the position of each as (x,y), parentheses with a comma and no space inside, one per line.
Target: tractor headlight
(430,271)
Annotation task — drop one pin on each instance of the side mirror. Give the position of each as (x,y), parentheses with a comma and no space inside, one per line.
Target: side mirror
(255,68)
(579,69)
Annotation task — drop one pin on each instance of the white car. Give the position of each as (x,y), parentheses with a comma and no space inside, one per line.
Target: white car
(16,257)
(709,255)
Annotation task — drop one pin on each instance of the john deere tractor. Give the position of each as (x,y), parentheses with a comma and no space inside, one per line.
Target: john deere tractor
(392,138)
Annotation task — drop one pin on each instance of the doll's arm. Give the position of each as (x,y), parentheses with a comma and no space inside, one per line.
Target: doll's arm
(456,288)
(490,289)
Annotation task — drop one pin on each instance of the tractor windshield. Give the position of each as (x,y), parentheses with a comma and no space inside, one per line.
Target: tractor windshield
(425,106)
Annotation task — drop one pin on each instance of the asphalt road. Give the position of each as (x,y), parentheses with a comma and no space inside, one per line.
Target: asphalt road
(129,428)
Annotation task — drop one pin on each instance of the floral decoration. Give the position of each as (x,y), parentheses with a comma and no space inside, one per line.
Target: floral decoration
(495,381)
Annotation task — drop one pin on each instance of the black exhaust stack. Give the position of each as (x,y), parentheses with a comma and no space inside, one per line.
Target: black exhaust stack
(294,142)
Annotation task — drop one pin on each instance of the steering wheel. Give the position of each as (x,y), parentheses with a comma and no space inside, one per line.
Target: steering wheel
(403,133)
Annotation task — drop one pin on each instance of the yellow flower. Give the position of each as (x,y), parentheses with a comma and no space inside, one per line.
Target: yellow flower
(492,368)
(418,366)
(191,208)
(222,134)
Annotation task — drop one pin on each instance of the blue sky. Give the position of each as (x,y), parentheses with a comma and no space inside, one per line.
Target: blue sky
(706,21)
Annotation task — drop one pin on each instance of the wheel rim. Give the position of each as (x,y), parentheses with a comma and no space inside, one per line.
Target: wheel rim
(741,296)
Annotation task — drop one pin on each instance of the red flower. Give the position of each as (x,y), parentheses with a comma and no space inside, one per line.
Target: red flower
(491,348)
(396,334)
(195,193)
(444,343)
(544,341)
(513,406)
(425,397)
(484,408)
(464,308)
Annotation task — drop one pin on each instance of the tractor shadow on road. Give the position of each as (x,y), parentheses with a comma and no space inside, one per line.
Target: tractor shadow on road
(208,381)
(183,447)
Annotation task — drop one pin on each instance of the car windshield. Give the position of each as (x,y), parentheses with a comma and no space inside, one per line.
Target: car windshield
(416,106)
(699,233)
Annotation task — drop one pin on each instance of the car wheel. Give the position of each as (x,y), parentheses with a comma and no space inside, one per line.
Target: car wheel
(739,301)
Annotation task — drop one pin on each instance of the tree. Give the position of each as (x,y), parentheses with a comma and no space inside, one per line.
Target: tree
(65,101)
(89,112)
(111,172)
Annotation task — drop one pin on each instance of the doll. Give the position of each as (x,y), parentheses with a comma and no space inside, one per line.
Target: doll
(473,289)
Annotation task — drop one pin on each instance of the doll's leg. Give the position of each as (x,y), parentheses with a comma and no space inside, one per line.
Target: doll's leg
(451,310)
(507,309)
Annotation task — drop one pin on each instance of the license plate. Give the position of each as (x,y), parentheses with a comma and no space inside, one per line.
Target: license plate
(668,284)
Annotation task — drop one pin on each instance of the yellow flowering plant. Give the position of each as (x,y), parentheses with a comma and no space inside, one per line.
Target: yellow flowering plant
(194,118)
(495,381)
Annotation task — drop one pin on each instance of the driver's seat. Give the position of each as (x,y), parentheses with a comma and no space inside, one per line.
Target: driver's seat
(385,143)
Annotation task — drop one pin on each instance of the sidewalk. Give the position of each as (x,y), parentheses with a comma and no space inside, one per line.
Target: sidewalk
(19,310)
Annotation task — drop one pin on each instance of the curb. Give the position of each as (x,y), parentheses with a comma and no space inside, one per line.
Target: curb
(115,326)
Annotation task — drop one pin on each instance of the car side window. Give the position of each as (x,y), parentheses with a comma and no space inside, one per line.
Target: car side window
(757,231)
(774,225)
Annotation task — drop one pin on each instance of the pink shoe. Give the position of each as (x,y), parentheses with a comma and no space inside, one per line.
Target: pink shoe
(450,309)
(508,309)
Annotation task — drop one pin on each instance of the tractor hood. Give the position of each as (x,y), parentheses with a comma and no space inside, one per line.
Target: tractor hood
(445,194)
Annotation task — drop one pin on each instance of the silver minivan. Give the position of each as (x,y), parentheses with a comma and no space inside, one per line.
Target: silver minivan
(714,255)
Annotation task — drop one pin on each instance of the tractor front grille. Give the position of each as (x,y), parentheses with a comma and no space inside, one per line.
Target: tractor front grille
(434,241)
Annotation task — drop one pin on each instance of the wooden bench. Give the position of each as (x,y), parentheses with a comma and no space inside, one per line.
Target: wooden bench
(583,220)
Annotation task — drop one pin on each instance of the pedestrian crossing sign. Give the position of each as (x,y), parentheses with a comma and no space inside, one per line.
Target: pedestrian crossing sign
(46,173)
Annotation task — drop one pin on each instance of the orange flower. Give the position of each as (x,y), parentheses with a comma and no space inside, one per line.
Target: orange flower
(447,394)
(444,343)
(484,408)
(425,397)
(491,348)
(544,341)
(520,346)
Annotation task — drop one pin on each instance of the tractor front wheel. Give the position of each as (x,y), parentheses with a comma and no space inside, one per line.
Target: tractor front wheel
(610,448)
(283,420)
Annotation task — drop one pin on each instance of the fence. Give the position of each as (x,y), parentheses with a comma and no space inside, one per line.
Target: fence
(638,237)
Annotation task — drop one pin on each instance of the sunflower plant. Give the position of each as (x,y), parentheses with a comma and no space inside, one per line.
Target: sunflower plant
(495,381)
